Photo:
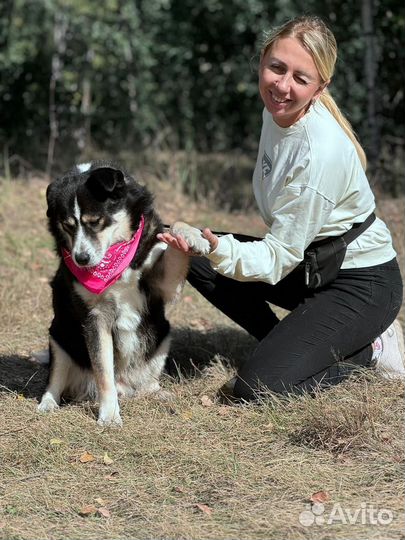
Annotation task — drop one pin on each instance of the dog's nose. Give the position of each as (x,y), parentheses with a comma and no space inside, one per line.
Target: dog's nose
(82,259)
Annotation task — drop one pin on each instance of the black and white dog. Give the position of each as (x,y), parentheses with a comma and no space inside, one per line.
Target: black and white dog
(109,336)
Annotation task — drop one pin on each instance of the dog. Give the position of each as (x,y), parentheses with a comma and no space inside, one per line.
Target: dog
(109,336)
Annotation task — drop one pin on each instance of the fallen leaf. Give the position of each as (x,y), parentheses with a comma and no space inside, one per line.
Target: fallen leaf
(223,411)
(55,441)
(103,511)
(269,427)
(319,497)
(86,457)
(187,415)
(204,508)
(100,501)
(20,397)
(107,460)
(87,510)
(206,401)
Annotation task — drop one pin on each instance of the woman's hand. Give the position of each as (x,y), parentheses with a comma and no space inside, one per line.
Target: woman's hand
(211,237)
(179,243)
(176,242)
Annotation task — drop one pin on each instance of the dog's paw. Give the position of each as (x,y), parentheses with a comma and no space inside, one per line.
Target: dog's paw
(192,236)
(47,405)
(111,422)
(109,417)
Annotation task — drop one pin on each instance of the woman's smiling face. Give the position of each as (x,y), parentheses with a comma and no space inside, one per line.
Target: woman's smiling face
(288,81)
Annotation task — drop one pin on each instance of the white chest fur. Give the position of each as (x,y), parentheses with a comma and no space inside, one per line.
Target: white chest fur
(130,305)
(123,304)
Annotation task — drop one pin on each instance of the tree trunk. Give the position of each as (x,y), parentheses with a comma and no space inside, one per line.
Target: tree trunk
(59,34)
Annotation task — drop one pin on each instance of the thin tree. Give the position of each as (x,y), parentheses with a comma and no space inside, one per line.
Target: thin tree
(370,69)
(59,39)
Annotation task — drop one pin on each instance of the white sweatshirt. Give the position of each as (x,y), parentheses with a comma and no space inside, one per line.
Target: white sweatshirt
(309,184)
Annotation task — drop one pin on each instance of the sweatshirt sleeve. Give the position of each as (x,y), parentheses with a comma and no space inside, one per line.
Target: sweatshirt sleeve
(298,215)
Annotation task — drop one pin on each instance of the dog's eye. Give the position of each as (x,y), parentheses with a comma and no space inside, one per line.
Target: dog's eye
(68,226)
(94,222)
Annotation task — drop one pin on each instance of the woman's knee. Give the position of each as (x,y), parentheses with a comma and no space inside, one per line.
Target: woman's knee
(256,389)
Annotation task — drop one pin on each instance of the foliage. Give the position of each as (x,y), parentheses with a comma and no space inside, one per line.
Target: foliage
(172,74)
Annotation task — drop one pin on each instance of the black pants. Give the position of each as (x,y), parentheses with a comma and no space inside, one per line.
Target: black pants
(305,349)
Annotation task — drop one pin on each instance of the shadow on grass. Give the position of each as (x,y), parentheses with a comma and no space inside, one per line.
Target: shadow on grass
(190,353)
(19,374)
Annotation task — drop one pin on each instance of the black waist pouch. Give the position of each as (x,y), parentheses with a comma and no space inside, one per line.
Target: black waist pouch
(323,259)
(322,263)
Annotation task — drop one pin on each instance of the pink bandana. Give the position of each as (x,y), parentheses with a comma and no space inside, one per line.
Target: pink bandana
(118,257)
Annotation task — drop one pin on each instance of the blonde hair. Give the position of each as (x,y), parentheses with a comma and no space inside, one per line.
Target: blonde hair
(320,42)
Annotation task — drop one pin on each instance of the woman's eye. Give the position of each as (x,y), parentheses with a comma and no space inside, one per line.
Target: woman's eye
(300,80)
(276,68)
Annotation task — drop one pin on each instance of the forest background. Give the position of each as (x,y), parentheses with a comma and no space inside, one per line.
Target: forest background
(146,80)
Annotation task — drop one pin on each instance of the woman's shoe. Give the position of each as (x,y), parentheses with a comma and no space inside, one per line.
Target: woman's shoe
(391,360)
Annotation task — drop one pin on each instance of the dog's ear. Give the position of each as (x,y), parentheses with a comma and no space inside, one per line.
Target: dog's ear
(106,183)
(50,199)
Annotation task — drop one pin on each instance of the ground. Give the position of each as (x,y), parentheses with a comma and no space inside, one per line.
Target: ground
(329,466)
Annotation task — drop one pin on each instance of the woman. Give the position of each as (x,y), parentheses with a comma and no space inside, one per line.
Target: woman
(310,185)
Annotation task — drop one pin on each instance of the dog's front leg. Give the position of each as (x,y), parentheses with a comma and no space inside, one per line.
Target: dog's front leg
(175,267)
(58,377)
(176,263)
(101,351)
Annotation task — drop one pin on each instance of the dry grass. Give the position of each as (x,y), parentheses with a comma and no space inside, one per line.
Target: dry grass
(193,468)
